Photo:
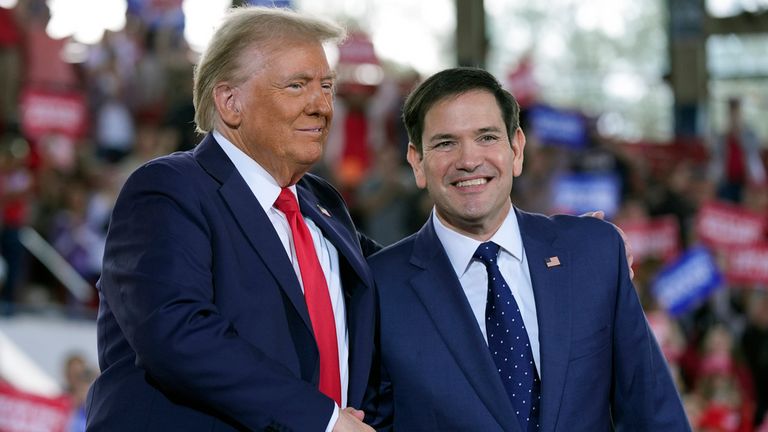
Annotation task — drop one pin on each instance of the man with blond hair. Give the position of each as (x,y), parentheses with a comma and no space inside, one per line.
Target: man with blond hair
(234,293)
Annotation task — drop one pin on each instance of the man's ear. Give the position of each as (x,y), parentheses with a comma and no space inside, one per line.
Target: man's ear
(518,150)
(415,159)
(227,101)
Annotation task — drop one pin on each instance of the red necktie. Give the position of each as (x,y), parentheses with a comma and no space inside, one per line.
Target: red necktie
(316,295)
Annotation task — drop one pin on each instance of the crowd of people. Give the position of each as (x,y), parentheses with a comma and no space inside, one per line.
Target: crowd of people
(135,87)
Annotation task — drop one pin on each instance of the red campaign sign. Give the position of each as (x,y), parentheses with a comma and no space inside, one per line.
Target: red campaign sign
(24,412)
(655,238)
(747,265)
(522,83)
(357,49)
(664,157)
(724,226)
(44,113)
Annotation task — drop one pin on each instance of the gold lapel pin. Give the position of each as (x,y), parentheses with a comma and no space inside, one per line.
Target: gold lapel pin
(323,210)
(553,262)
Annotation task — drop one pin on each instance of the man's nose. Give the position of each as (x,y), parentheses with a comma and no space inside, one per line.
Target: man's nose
(469,157)
(320,102)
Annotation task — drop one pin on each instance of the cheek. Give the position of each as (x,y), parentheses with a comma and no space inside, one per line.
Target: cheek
(434,171)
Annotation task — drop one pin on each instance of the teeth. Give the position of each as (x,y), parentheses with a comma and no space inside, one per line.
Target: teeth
(475,182)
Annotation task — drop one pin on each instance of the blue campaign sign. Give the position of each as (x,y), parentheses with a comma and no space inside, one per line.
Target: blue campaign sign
(552,126)
(159,13)
(686,283)
(272,3)
(583,192)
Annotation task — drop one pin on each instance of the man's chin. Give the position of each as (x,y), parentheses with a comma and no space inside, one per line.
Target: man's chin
(309,162)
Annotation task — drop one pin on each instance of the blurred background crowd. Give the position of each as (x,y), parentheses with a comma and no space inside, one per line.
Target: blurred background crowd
(680,164)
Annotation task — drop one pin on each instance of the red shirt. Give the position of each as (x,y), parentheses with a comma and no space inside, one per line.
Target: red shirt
(9,32)
(735,168)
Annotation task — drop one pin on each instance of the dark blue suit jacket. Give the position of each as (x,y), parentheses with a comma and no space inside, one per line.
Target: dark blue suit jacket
(601,367)
(202,323)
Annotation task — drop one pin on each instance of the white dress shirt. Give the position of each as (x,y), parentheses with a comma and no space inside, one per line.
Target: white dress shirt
(473,275)
(266,190)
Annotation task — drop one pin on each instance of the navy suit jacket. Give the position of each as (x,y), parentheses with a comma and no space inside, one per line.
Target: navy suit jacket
(601,367)
(202,323)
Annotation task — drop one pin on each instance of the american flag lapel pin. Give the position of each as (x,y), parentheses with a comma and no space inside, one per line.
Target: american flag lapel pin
(553,262)
(323,210)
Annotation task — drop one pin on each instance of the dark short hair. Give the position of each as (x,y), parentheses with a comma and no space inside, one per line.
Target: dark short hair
(450,83)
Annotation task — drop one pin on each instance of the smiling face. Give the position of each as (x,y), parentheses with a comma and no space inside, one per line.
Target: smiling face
(468,163)
(280,115)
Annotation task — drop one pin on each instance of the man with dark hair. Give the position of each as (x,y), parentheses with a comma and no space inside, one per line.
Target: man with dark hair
(502,320)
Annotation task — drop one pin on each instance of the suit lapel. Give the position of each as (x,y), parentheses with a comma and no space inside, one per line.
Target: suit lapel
(341,237)
(253,222)
(439,290)
(552,291)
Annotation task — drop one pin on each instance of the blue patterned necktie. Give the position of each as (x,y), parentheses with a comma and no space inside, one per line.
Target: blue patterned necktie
(508,342)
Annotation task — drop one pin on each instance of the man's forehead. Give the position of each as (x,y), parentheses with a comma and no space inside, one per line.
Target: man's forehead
(452,113)
(286,63)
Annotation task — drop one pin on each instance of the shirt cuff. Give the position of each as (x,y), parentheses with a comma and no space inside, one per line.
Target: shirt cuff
(334,417)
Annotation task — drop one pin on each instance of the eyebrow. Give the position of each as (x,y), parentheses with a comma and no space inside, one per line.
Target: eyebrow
(303,76)
(442,136)
(306,76)
(439,137)
(488,129)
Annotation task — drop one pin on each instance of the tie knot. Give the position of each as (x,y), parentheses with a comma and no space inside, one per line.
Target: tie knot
(286,202)
(487,252)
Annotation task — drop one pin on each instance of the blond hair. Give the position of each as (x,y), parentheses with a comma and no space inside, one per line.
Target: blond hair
(244,28)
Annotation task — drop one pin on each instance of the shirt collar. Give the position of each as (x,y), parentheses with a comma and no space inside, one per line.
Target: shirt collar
(460,248)
(261,182)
